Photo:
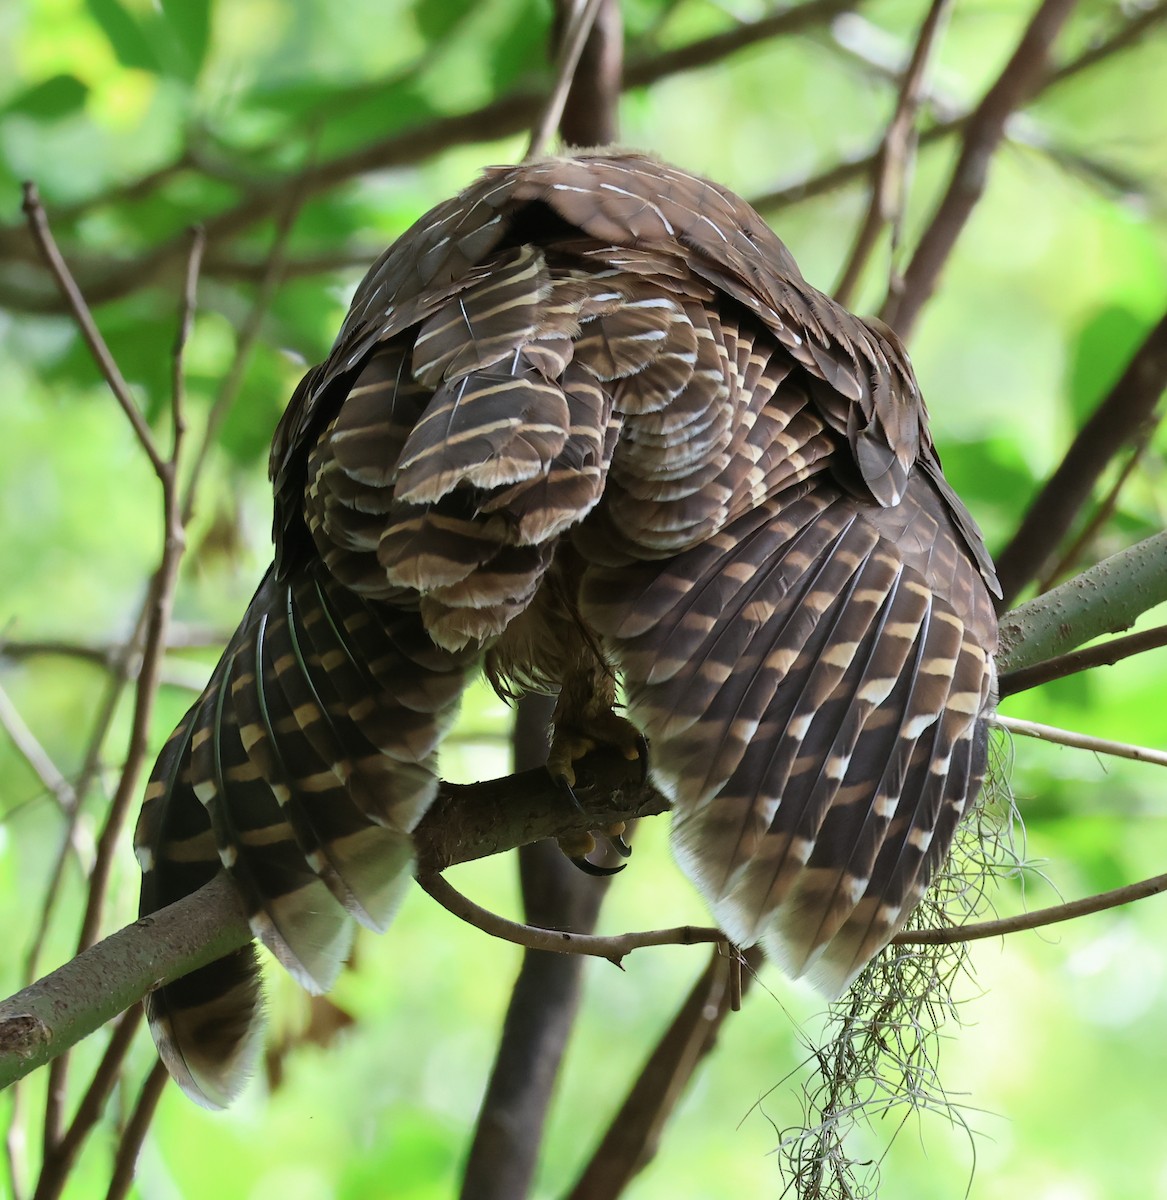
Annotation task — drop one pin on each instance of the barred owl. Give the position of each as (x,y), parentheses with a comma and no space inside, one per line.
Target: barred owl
(586,423)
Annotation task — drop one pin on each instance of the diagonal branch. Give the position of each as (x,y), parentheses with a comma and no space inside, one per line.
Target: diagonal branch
(986,127)
(893,159)
(1108,598)
(42,234)
(1128,407)
(1105,655)
(1080,741)
(1036,919)
(467,822)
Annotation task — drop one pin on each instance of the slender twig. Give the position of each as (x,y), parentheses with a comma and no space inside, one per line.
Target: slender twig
(1105,655)
(59,1161)
(229,389)
(105,654)
(893,160)
(559,941)
(1080,741)
(579,28)
(1121,415)
(123,663)
(43,236)
(35,755)
(1034,920)
(160,601)
(1105,510)
(135,1132)
(1013,87)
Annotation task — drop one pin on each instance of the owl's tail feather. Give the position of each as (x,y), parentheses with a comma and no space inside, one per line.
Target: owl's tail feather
(301,771)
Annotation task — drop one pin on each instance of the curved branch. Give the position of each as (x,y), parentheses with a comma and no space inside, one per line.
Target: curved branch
(466,822)
(560,941)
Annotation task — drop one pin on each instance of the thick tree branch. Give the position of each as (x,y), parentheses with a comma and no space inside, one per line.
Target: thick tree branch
(1108,598)
(466,822)
(1128,407)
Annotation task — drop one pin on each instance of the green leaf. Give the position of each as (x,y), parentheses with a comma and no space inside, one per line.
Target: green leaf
(189,22)
(435,21)
(126,34)
(51,98)
(1104,348)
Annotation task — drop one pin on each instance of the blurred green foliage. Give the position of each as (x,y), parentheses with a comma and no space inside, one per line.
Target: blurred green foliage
(137,119)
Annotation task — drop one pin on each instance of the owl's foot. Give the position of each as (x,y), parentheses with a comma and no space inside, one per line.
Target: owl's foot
(571,743)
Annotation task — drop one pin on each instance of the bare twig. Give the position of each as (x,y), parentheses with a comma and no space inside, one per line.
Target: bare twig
(1105,655)
(1034,920)
(229,389)
(135,1132)
(43,236)
(1118,419)
(1016,83)
(893,160)
(559,941)
(1098,519)
(579,29)
(1080,741)
(157,615)
(633,1134)
(37,757)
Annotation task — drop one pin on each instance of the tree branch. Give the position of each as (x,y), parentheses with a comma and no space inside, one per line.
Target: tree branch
(1115,422)
(1108,598)
(1105,655)
(467,822)
(893,159)
(1080,741)
(986,127)
(1034,920)
(560,941)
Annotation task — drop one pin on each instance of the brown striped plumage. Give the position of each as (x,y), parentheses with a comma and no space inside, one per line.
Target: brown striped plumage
(586,419)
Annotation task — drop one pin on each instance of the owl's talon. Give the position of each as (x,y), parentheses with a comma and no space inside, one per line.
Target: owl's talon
(617,842)
(591,868)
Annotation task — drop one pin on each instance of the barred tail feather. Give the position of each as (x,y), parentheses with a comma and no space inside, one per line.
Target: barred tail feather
(301,771)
